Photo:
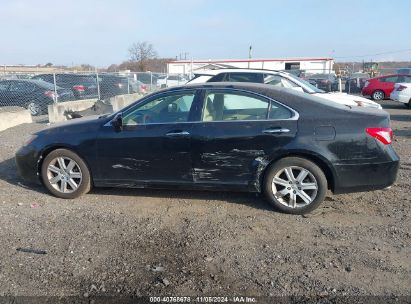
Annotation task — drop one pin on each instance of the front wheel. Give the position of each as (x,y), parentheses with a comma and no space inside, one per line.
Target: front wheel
(408,105)
(65,174)
(295,185)
(378,95)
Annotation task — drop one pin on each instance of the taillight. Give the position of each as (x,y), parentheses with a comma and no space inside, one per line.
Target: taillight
(79,88)
(50,94)
(401,87)
(384,135)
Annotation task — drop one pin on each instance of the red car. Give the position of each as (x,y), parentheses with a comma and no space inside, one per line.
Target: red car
(380,88)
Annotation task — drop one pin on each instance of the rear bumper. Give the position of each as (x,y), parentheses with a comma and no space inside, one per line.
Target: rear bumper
(365,176)
(399,97)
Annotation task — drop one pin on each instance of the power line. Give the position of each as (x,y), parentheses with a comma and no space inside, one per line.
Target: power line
(377,54)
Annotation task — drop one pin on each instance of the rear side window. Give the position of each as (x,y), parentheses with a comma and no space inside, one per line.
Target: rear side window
(229,106)
(278,81)
(245,77)
(218,78)
(47,77)
(21,87)
(389,79)
(3,86)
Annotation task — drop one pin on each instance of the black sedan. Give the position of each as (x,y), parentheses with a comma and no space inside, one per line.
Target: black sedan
(290,146)
(326,82)
(34,95)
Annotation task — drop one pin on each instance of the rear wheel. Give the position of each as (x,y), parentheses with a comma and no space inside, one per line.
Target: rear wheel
(378,95)
(65,174)
(408,105)
(34,108)
(295,185)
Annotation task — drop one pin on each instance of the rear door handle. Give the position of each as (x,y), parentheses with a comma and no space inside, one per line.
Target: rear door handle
(276,131)
(177,134)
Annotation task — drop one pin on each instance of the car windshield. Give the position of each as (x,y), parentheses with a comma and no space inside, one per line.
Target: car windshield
(308,87)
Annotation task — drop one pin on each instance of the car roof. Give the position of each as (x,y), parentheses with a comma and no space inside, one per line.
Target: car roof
(38,82)
(390,75)
(239,70)
(299,101)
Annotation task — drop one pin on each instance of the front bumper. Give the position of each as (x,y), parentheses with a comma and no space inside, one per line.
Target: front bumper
(27,162)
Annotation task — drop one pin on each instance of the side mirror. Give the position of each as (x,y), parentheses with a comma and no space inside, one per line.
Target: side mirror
(117,122)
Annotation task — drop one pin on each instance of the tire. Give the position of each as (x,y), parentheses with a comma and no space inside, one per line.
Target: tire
(280,196)
(378,95)
(408,105)
(77,180)
(34,107)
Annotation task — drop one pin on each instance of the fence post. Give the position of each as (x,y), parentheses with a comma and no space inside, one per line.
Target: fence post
(128,84)
(340,84)
(98,85)
(151,81)
(55,88)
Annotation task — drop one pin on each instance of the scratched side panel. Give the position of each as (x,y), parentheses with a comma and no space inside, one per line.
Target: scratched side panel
(234,152)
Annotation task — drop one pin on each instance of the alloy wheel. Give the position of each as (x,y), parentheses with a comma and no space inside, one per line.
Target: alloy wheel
(34,108)
(378,95)
(294,187)
(64,174)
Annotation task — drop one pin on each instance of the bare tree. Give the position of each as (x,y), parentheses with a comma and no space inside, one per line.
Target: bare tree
(141,52)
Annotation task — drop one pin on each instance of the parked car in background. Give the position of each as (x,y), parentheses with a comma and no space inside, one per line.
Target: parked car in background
(34,95)
(280,79)
(167,81)
(355,82)
(147,78)
(113,85)
(326,82)
(402,93)
(290,146)
(404,71)
(84,86)
(380,88)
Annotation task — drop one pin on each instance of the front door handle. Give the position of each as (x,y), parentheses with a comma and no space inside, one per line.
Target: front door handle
(276,131)
(177,134)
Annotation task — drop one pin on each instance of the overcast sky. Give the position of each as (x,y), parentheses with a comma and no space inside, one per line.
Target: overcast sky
(99,32)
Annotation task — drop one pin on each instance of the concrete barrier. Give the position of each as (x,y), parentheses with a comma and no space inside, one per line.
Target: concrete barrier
(13,116)
(57,110)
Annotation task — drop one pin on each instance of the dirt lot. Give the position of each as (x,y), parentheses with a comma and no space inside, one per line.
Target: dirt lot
(146,242)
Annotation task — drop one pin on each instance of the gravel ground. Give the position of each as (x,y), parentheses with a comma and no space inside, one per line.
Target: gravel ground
(186,243)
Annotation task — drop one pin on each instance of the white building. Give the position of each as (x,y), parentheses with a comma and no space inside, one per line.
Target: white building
(309,65)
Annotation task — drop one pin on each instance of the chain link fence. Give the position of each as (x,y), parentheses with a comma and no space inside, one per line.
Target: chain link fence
(35,91)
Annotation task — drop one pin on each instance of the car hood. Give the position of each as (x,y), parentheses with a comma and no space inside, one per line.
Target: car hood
(349,100)
(90,123)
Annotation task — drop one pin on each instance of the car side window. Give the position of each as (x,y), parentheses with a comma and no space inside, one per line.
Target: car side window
(278,81)
(165,109)
(278,111)
(219,78)
(245,77)
(18,86)
(3,86)
(223,106)
(407,79)
(389,79)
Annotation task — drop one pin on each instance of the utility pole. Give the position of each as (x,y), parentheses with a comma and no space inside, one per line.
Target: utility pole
(250,52)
